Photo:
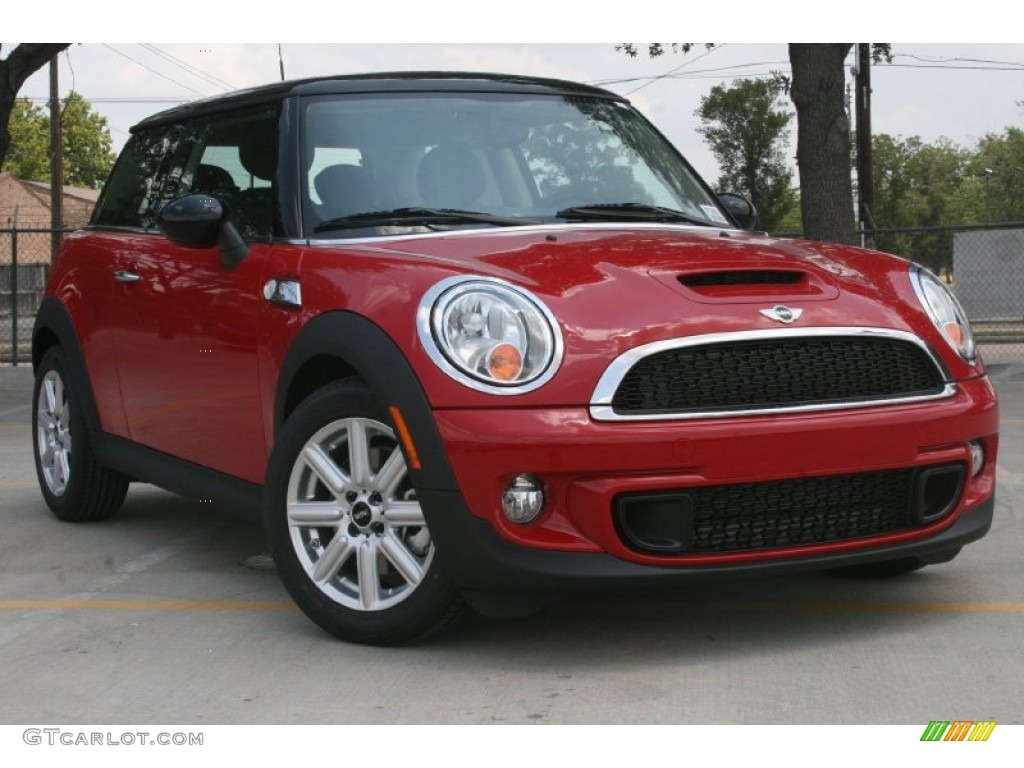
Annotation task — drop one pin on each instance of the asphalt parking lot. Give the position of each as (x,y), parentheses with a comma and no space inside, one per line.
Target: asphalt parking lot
(166,614)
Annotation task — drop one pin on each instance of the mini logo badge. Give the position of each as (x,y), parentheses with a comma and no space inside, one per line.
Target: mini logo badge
(783,314)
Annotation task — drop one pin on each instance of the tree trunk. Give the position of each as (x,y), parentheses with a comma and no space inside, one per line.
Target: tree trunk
(25,59)
(823,140)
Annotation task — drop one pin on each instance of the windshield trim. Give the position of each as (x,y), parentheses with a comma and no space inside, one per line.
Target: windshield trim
(559,226)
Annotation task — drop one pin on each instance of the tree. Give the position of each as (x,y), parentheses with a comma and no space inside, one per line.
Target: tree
(745,126)
(28,156)
(23,61)
(823,140)
(919,185)
(85,143)
(816,85)
(997,176)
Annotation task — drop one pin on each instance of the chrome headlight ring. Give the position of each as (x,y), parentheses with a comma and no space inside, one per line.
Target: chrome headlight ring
(945,312)
(490,335)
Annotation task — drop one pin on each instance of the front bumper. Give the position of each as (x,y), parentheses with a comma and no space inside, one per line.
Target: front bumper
(587,465)
(485,561)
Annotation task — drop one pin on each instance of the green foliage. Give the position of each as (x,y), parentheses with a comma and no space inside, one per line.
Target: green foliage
(815,86)
(29,153)
(658,49)
(919,185)
(746,128)
(85,139)
(996,173)
(943,184)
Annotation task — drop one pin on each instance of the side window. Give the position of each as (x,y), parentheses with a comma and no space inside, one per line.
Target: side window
(232,157)
(128,198)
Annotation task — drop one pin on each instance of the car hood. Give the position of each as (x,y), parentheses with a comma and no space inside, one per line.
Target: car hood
(678,280)
(613,289)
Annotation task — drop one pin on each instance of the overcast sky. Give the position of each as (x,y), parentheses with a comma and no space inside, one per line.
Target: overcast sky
(957,90)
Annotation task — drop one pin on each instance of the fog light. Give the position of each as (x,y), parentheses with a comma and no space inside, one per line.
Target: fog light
(523,500)
(977,457)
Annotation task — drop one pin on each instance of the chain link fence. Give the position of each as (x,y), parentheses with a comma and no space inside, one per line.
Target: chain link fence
(984,264)
(24,267)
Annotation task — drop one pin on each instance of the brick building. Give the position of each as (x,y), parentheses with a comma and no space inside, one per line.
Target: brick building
(26,205)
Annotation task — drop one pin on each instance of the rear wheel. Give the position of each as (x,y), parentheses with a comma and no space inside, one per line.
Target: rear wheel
(76,488)
(348,534)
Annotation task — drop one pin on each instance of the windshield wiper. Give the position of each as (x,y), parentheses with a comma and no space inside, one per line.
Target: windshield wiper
(418,216)
(628,211)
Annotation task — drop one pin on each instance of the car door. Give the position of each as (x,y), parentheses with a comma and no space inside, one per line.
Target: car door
(188,327)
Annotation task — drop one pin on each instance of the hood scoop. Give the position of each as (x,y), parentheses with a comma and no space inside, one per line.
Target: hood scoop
(741,277)
(743,285)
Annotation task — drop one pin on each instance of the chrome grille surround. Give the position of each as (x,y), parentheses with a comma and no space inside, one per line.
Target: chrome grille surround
(601,407)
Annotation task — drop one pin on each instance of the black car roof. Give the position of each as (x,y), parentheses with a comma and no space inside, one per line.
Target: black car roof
(380,82)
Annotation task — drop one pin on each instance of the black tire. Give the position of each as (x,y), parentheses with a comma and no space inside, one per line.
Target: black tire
(332,520)
(75,486)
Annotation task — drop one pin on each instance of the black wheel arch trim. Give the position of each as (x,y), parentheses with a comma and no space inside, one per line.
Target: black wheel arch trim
(53,317)
(379,362)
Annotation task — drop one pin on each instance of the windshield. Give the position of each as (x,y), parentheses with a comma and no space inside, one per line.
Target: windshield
(438,161)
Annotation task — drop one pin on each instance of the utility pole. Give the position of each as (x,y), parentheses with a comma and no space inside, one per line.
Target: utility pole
(865,172)
(56,166)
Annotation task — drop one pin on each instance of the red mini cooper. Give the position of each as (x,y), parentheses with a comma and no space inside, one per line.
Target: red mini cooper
(474,341)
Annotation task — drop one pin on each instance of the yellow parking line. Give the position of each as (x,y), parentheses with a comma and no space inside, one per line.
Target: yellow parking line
(832,607)
(925,607)
(146,605)
(738,607)
(1011,421)
(17,483)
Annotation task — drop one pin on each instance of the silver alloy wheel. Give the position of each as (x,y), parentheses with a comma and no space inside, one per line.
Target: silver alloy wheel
(356,526)
(53,433)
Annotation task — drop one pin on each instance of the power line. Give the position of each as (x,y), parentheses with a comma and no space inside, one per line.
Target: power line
(950,59)
(947,67)
(695,73)
(927,62)
(184,65)
(708,52)
(155,72)
(119,99)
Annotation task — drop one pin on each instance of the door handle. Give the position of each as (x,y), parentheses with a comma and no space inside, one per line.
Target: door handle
(123,276)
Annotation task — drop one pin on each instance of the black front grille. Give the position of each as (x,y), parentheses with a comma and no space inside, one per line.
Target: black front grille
(777,373)
(787,513)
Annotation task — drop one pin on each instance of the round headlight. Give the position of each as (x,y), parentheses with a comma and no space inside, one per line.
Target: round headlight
(944,310)
(489,335)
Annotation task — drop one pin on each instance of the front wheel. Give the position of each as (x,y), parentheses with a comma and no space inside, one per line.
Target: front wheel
(346,529)
(75,486)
